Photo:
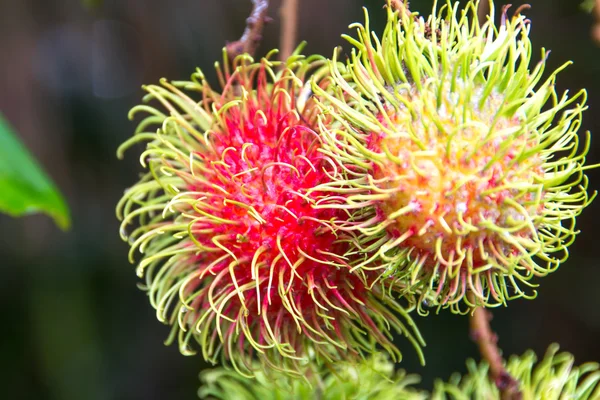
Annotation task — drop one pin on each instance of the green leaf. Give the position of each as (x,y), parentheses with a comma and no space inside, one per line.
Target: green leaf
(24,187)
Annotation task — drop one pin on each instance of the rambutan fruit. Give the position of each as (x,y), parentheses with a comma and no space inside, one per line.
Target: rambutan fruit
(374,378)
(555,376)
(462,167)
(235,255)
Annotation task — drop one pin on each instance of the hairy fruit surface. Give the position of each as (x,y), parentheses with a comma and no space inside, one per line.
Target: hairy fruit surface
(236,257)
(554,377)
(462,166)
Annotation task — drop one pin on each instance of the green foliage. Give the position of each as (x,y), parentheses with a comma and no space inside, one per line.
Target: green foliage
(24,187)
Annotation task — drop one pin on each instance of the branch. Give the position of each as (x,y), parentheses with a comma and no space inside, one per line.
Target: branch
(289,27)
(482,334)
(483,10)
(252,35)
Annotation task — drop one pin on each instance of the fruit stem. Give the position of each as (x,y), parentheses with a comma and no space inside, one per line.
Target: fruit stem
(289,28)
(252,35)
(482,334)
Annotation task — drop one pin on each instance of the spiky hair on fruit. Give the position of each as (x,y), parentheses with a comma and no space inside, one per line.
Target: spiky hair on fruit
(461,165)
(372,379)
(554,377)
(234,254)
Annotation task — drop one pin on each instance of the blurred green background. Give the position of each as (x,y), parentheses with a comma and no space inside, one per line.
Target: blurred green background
(73,324)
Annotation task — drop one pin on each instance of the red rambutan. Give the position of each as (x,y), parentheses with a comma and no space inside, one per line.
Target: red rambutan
(234,253)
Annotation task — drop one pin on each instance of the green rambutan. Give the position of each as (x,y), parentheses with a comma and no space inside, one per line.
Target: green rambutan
(372,378)
(553,377)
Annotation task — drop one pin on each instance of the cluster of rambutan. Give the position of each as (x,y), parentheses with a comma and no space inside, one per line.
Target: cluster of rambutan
(296,215)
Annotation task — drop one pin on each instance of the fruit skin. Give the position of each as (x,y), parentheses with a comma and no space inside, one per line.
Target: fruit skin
(462,168)
(235,254)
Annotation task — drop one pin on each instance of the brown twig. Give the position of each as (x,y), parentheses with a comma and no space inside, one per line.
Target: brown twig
(289,27)
(487,340)
(252,35)
(483,10)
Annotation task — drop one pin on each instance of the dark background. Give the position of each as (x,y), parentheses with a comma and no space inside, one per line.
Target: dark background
(73,324)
